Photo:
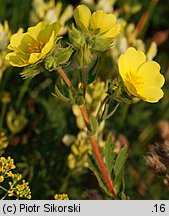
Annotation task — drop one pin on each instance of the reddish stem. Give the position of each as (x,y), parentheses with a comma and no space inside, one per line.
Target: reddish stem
(66,79)
(98,156)
(94,144)
(103,169)
(85,117)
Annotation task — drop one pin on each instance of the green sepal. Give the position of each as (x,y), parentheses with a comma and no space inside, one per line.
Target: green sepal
(83,56)
(102,43)
(58,57)
(76,37)
(31,71)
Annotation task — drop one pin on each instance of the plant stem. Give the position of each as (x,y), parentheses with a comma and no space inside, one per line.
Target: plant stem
(94,144)
(66,79)
(85,117)
(5,193)
(103,168)
(98,157)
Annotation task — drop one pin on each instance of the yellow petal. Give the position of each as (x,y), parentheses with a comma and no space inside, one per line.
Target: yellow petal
(26,42)
(15,41)
(49,45)
(113,32)
(131,88)
(133,59)
(45,34)
(82,17)
(150,72)
(101,20)
(17,59)
(34,31)
(34,57)
(151,94)
(123,70)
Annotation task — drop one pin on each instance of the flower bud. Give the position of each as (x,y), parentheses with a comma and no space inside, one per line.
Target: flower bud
(76,37)
(83,56)
(50,63)
(59,56)
(102,43)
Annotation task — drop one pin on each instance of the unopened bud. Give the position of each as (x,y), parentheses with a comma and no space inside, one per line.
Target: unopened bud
(102,43)
(76,37)
(83,56)
(50,63)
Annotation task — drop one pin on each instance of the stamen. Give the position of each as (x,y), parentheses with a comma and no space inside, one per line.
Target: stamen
(36,46)
(134,79)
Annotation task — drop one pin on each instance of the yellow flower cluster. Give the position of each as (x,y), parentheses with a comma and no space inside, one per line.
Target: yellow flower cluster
(23,190)
(17,189)
(20,190)
(32,46)
(6,165)
(61,197)
(142,79)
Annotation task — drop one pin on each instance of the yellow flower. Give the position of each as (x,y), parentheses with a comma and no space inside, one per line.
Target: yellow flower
(30,47)
(142,79)
(98,21)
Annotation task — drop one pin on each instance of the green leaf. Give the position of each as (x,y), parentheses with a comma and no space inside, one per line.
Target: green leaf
(112,112)
(120,161)
(94,167)
(60,96)
(93,72)
(118,181)
(109,154)
(94,124)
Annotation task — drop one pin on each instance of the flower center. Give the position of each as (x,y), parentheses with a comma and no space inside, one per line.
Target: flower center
(134,79)
(36,46)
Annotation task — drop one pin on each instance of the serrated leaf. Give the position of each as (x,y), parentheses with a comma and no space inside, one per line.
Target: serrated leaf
(120,161)
(94,125)
(109,154)
(60,96)
(118,181)
(94,167)
(93,72)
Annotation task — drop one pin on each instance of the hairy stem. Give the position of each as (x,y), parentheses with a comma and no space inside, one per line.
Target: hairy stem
(103,168)
(66,79)
(94,143)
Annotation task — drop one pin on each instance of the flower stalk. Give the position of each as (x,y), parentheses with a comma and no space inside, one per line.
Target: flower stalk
(66,79)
